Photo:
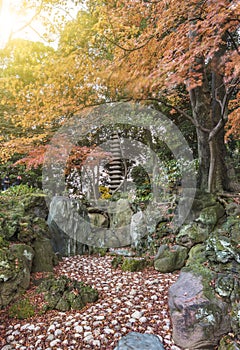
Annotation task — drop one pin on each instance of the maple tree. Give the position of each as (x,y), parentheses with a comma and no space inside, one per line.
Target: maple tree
(160,45)
(185,58)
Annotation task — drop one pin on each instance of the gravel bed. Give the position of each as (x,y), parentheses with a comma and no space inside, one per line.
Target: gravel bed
(128,301)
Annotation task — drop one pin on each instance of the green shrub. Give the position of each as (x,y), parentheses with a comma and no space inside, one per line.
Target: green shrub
(22,309)
(20,190)
(117,261)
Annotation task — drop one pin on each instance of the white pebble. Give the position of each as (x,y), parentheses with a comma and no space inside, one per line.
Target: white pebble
(50,337)
(54,342)
(57,332)
(99,318)
(78,329)
(137,315)
(96,342)
(51,328)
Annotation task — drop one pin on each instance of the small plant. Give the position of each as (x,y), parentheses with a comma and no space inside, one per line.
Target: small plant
(117,261)
(22,309)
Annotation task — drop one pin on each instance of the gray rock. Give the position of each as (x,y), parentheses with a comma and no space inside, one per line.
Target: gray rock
(169,259)
(69,226)
(199,318)
(192,234)
(139,341)
(209,216)
(221,249)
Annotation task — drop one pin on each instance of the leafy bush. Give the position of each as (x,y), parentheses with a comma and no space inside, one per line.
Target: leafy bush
(22,309)
(20,190)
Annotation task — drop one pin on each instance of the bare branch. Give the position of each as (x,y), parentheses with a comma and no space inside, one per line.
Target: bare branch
(28,23)
(182,112)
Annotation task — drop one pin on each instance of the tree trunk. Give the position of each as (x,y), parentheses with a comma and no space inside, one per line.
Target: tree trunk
(200,103)
(209,112)
(218,178)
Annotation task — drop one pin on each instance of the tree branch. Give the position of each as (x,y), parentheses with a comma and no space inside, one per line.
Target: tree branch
(223,105)
(233,41)
(180,111)
(28,23)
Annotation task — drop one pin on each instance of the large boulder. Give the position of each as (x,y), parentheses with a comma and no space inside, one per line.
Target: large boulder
(69,226)
(169,259)
(15,267)
(137,341)
(199,317)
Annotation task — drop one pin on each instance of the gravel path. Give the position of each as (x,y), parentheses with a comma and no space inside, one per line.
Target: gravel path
(128,301)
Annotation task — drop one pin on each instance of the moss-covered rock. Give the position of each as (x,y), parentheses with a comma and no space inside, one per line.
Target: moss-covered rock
(64,294)
(192,234)
(15,267)
(130,264)
(224,285)
(169,259)
(221,249)
(235,318)
(21,309)
(117,261)
(196,255)
(209,216)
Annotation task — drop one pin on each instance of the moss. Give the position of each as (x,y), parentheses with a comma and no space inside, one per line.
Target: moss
(100,251)
(208,277)
(65,294)
(134,265)
(21,309)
